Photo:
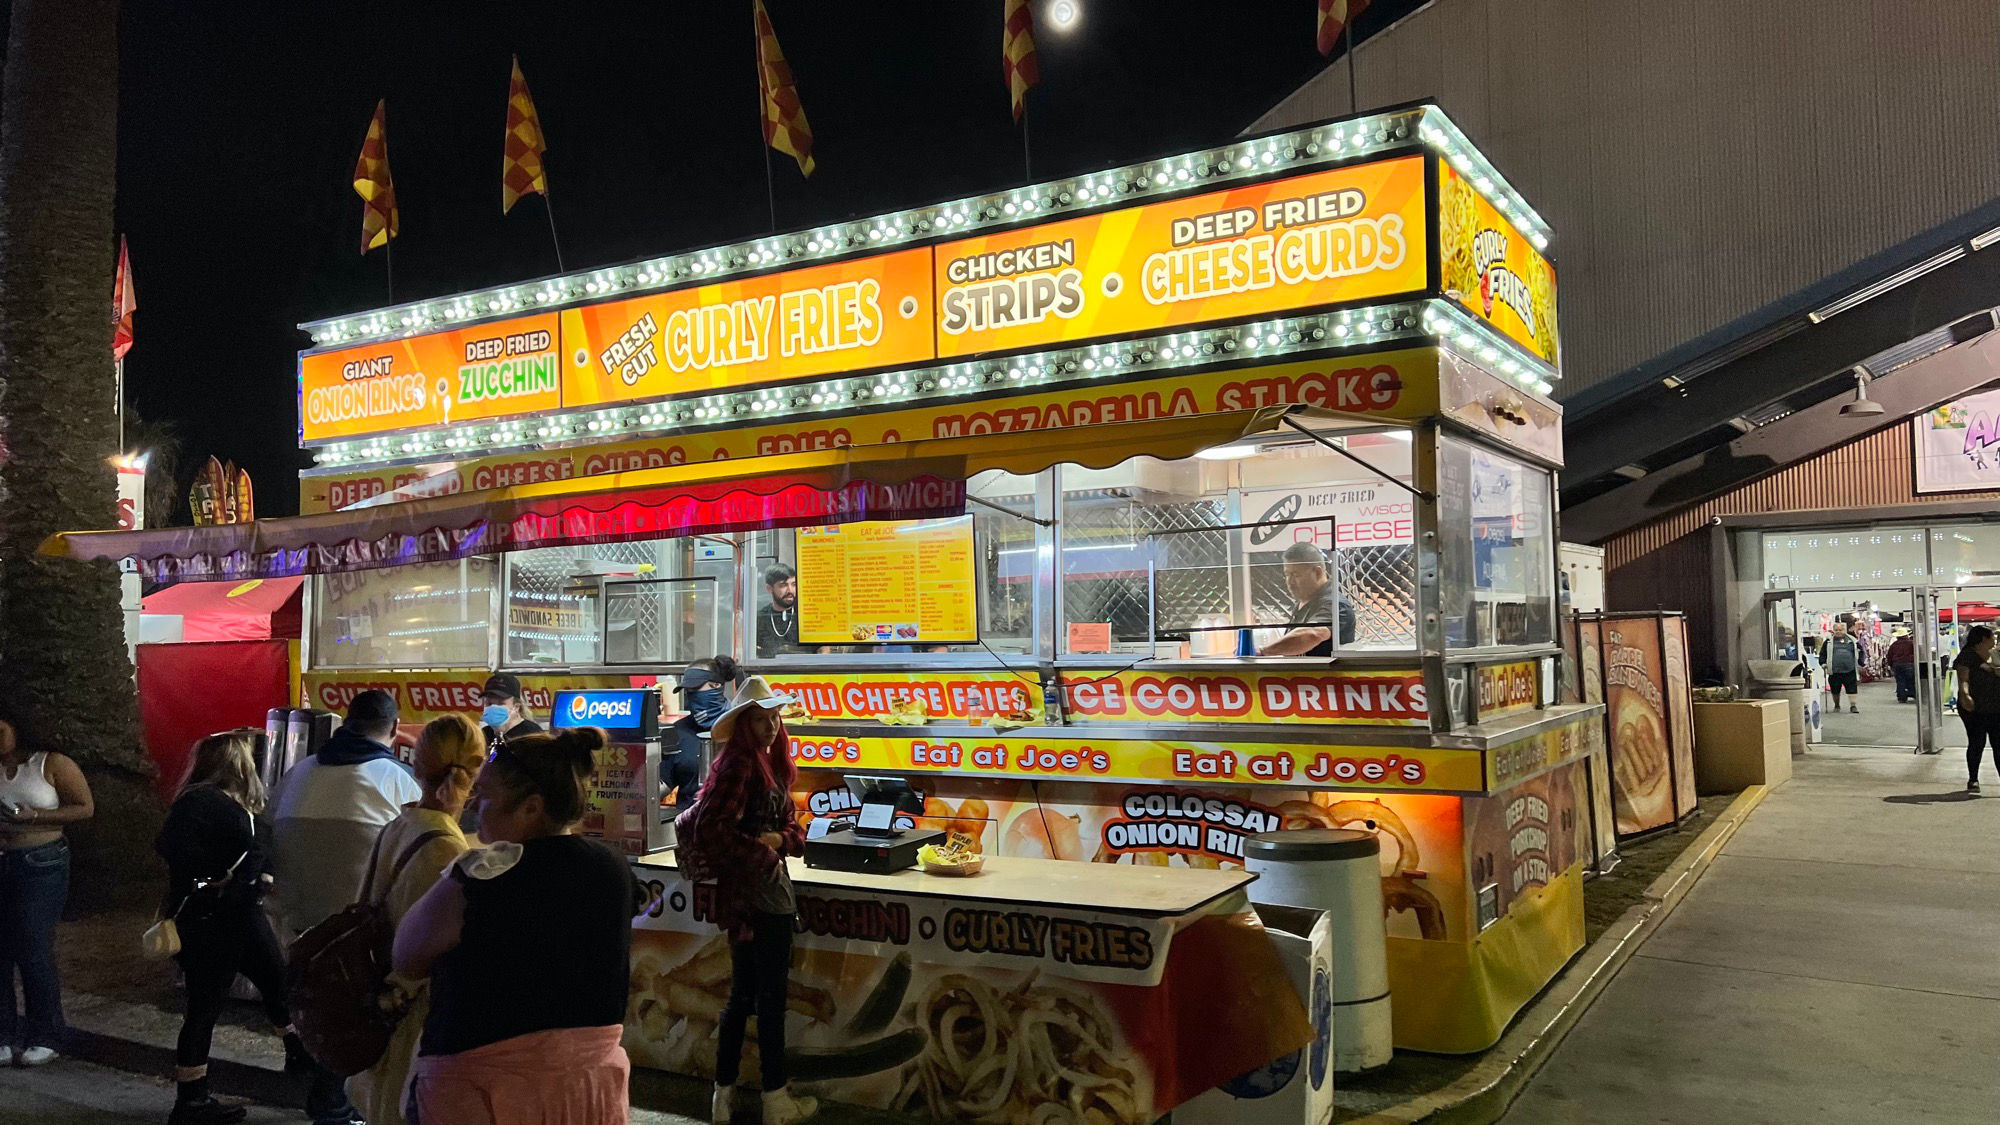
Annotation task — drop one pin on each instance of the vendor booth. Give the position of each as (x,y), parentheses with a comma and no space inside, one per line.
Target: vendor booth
(1125,516)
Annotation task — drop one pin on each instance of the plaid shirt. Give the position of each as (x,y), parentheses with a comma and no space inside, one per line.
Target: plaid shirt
(722,846)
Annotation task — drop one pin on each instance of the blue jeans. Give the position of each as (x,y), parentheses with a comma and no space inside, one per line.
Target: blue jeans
(34,882)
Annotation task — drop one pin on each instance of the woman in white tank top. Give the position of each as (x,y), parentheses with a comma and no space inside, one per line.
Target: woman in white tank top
(40,793)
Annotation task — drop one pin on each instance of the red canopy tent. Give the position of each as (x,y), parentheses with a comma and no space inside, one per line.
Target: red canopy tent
(257,610)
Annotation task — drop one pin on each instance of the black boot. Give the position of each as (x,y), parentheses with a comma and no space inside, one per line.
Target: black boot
(193,1105)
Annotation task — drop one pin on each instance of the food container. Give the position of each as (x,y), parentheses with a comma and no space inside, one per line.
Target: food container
(959,870)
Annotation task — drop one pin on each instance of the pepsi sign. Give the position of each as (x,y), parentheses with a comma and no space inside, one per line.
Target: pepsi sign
(620,711)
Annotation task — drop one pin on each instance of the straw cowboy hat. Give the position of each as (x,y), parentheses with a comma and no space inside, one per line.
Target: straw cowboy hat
(755,692)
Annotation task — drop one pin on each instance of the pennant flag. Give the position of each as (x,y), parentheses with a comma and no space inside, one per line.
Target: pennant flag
(1334,16)
(375,187)
(785,127)
(124,302)
(521,171)
(246,503)
(1017,54)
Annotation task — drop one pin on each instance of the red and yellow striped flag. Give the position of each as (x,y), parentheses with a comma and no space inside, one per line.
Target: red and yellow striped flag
(785,127)
(373,184)
(1017,54)
(521,171)
(1335,15)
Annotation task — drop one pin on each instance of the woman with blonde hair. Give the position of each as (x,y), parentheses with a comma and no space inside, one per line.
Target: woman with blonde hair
(418,846)
(217,845)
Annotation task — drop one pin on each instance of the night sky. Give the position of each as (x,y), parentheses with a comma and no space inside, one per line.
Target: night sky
(239,125)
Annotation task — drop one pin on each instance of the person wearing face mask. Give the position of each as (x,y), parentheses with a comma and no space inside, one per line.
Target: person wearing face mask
(704,688)
(505,715)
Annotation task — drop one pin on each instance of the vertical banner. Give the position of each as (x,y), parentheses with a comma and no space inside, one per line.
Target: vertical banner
(1492,269)
(1635,697)
(1680,710)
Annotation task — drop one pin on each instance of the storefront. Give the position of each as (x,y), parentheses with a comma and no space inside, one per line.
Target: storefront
(1128,515)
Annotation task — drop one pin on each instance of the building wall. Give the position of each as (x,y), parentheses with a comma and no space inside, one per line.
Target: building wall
(1669,563)
(1703,159)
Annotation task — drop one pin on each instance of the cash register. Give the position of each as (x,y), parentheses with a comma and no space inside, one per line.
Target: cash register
(872,842)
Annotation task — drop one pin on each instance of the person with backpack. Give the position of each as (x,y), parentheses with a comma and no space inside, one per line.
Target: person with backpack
(528,948)
(331,807)
(449,754)
(217,846)
(1843,667)
(737,837)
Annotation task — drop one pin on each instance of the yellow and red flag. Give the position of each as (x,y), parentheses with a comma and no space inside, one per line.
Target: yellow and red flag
(375,187)
(1334,16)
(521,171)
(1017,54)
(785,127)
(124,302)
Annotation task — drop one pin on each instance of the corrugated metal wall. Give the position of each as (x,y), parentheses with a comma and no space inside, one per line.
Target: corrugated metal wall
(1700,160)
(1667,563)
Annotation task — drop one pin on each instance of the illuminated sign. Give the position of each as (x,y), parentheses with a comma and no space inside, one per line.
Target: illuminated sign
(489,371)
(1325,238)
(1492,269)
(613,710)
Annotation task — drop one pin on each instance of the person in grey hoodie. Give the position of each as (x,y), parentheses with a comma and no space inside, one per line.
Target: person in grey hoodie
(1843,667)
(330,809)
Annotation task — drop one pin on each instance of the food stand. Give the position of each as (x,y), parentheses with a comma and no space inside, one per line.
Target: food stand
(1005,488)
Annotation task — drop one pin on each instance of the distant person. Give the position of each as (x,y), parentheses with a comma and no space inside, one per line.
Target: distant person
(743,830)
(217,845)
(1843,668)
(449,755)
(528,947)
(1978,700)
(505,715)
(331,808)
(704,688)
(1310,582)
(1902,657)
(41,793)
(778,620)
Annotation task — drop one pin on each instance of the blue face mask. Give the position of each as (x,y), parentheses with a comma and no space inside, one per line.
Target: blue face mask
(495,715)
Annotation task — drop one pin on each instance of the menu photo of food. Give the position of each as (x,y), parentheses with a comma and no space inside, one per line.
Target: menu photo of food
(1641,776)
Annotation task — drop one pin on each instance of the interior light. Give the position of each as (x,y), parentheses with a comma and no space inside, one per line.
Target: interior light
(1227,452)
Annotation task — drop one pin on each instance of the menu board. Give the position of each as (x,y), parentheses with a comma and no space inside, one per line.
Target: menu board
(893,582)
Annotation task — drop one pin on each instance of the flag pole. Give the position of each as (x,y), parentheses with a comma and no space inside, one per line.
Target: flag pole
(549,209)
(389,266)
(1027,154)
(1353,97)
(118,365)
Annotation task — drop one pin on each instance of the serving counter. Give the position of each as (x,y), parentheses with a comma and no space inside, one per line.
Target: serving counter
(1113,994)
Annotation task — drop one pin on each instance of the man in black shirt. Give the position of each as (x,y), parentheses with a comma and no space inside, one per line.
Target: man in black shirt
(1311,583)
(778,621)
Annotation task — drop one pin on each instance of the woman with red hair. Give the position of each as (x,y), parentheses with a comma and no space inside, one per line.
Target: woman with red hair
(737,836)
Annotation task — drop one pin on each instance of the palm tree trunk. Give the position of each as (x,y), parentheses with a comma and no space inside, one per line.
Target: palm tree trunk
(63,668)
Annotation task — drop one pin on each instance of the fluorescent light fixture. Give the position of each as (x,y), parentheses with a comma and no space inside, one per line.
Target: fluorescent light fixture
(1876,289)
(1228,452)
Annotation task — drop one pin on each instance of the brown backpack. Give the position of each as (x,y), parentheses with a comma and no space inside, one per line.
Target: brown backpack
(336,978)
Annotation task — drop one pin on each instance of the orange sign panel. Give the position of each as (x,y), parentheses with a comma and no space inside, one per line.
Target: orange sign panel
(1324,238)
(1492,269)
(849,316)
(485,371)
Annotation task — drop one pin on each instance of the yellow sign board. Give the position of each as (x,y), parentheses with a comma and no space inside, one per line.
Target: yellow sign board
(1492,269)
(892,583)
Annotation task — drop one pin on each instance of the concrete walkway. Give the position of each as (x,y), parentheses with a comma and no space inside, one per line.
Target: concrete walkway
(1840,962)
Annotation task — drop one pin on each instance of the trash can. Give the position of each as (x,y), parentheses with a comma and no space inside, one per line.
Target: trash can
(1339,871)
(1786,680)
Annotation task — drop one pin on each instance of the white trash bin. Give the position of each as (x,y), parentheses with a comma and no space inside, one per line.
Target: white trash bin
(1337,870)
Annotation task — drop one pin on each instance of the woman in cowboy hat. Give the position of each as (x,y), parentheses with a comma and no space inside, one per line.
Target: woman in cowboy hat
(741,831)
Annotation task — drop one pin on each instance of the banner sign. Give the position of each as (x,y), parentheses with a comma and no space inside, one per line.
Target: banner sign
(1071,757)
(488,371)
(951,696)
(1339,516)
(1635,695)
(1514,762)
(423,696)
(1027,993)
(888,583)
(1957,445)
(1492,269)
(1372,698)
(849,316)
(1398,384)
(1325,238)
(1505,689)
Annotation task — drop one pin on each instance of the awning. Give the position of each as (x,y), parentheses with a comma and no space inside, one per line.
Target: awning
(908,480)
(252,610)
